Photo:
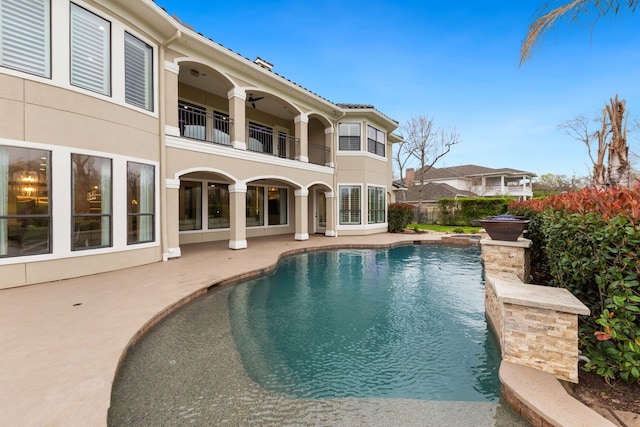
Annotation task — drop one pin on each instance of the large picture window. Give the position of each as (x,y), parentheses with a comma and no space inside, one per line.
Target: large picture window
(377,205)
(90,51)
(138,72)
(349,136)
(140,203)
(277,206)
(25,36)
(218,207)
(91,201)
(376,141)
(190,206)
(350,204)
(255,206)
(25,214)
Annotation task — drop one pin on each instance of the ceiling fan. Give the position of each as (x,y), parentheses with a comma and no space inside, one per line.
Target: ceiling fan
(253,100)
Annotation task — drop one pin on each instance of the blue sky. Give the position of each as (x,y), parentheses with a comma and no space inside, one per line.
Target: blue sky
(457,62)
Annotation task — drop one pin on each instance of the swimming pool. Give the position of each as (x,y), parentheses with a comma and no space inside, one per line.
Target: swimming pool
(329,338)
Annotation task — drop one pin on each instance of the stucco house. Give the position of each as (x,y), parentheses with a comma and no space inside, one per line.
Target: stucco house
(126,135)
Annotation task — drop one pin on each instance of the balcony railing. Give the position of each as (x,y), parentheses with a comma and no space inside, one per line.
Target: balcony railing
(261,139)
(197,124)
(324,154)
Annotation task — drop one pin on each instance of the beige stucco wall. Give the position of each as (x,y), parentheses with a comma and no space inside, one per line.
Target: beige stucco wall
(36,112)
(27,273)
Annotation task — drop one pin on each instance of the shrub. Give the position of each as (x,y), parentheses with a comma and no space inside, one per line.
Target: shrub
(400,215)
(591,240)
(463,210)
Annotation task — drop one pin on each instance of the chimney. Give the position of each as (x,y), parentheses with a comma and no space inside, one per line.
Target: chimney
(409,177)
(264,64)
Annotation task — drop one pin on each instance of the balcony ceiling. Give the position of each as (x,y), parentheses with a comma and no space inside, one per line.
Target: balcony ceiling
(202,78)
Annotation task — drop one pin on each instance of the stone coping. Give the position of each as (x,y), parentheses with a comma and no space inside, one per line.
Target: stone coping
(542,400)
(520,243)
(509,289)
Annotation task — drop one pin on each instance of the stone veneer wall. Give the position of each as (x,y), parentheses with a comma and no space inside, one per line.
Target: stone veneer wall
(507,257)
(537,326)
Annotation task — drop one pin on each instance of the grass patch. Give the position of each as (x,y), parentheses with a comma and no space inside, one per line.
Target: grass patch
(446,228)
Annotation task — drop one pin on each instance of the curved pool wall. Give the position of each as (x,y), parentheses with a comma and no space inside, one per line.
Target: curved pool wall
(189,371)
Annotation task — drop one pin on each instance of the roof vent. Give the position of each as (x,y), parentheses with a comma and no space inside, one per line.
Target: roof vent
(264,64)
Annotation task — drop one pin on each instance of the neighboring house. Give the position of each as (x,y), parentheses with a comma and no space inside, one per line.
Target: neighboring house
(126,135)
(478,180)
(463,181)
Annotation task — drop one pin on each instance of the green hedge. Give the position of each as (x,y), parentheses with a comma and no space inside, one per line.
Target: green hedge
(400,215)
(591,241)
(463,210)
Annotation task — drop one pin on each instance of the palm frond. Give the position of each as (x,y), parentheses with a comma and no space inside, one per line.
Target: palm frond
(573,9)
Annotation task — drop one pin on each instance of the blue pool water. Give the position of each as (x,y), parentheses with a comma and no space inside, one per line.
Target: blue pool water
(406,322)
(340,338)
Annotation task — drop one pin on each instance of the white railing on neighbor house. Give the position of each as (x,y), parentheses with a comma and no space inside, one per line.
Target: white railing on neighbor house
(506,189)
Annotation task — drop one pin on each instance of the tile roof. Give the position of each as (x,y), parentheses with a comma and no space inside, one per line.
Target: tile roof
(433,191)
(467,171)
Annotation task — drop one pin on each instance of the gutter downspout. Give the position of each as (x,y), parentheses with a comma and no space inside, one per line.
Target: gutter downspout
(164,244)
(336,195)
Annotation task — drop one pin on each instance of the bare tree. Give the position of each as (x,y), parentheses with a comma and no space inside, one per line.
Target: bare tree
(619,168)
(572,9)
(401,157)
(578,129)
(611,146)
(427,145)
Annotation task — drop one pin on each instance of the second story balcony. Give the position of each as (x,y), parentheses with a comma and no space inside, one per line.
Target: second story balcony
(210,110)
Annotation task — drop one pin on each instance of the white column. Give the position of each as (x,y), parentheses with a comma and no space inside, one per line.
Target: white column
(302,134)
(237,216)
(328,139)
(172,219)
(330,200)
(237,132)
(302,214)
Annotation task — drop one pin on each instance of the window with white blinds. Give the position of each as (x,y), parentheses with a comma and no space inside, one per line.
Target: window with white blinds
(25,36)
(90,51)
(138,72)
(350,204)
(349,136)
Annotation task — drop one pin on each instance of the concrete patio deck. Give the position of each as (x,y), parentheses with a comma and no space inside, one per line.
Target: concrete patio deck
(61,342)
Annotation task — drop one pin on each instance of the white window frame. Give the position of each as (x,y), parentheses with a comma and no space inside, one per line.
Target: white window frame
(25,36)
(90,66)
(61,209)
(138,64)
(376,141)
(349,130)
(377,192)
(350,220)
